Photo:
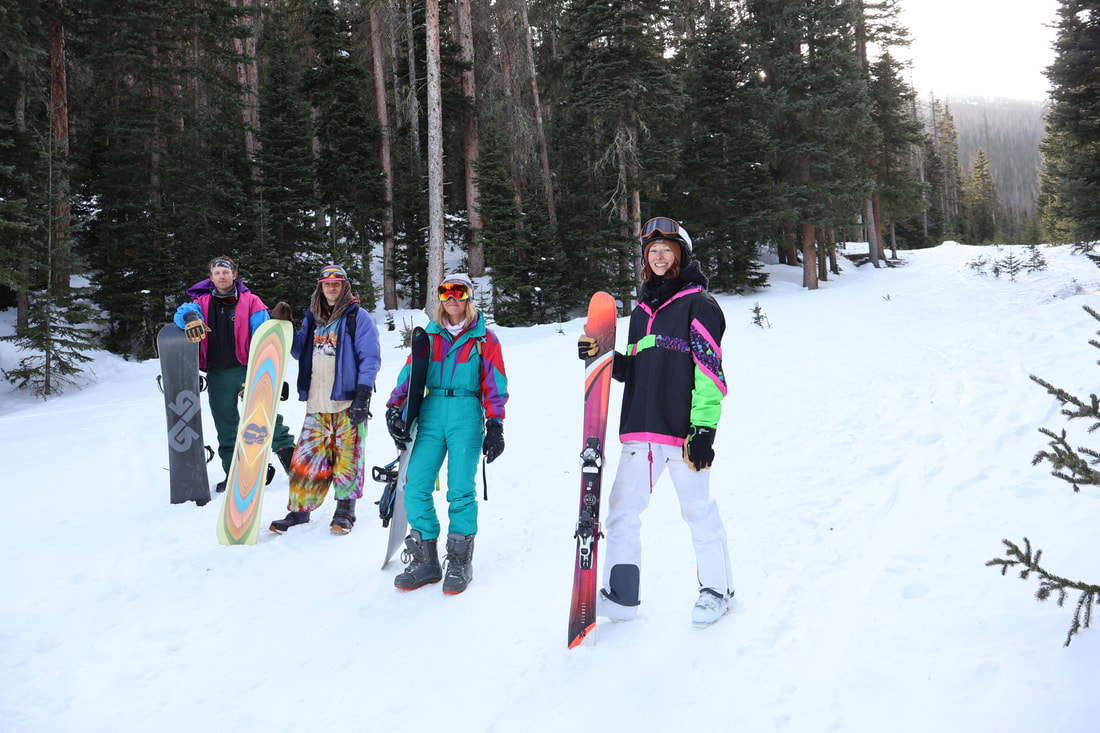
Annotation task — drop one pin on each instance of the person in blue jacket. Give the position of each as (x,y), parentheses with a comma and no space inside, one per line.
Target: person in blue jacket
(338,359)
(461,418)
(221,317)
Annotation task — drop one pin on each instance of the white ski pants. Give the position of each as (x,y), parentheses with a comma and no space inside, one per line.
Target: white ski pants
(640,467)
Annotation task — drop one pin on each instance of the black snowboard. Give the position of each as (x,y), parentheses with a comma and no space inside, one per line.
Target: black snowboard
(418,374)
(179,380)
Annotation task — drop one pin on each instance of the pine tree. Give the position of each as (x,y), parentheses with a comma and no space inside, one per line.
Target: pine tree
(614,138)
(983,204)
(288,245)
(900,194)
(347,168)
(1075,466)
(503,236)
(161,156)
(55,342)
(1073,122)
(823,121)
(723,193)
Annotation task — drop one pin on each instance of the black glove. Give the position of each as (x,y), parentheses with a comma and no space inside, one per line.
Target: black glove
(493,444)
(195,330)
(587,347)
(360,406)
(699,448)
(396,425)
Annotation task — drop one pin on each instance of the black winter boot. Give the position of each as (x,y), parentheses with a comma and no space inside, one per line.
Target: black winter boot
(279,526)
(460,563)
(220,488)
(423,559)
(344,517)
(285,454)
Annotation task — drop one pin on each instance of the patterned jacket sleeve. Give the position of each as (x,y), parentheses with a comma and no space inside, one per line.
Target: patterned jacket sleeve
(494,380)
(401,391)
(707,326)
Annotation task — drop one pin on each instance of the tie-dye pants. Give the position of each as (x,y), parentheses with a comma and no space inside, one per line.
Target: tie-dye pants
(329,453)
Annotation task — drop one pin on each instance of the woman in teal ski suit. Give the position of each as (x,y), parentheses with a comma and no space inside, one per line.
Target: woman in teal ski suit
(460,418)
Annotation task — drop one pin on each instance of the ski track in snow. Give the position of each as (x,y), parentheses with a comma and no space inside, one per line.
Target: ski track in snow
(874,449)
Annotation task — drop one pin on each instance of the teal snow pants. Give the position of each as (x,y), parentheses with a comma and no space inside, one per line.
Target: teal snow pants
(451,427)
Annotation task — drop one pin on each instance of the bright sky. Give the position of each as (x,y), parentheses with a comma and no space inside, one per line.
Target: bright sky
(989,48)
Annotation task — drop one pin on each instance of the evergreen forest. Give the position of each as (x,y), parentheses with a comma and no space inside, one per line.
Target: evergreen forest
(139,139)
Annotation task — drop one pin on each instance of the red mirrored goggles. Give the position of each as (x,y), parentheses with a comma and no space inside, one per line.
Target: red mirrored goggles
(454,290)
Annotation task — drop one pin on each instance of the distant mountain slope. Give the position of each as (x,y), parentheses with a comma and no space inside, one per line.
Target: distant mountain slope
(1010,131)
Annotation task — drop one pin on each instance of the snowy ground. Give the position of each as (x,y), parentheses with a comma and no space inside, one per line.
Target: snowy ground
(875,448)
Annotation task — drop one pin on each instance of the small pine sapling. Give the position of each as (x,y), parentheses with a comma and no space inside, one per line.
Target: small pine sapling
(760,318)
(1077,467)
(1035,260)
(1010,265)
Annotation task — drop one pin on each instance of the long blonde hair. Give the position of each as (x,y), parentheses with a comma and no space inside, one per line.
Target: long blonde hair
(471,313)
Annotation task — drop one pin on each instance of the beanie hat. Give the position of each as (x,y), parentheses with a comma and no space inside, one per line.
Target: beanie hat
(459,278)
(332,273)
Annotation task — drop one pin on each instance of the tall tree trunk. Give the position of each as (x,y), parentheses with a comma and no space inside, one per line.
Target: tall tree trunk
(511,95)
(544,156)
(61,259)
(23,245)
(876,207)
(413,99)
(249,84)
(872,231)
(809,244)
(394,22)
(389,275)
(435,159)
(809,256)
(464,32)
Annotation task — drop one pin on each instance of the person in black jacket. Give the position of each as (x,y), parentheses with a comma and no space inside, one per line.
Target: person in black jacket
(672,394)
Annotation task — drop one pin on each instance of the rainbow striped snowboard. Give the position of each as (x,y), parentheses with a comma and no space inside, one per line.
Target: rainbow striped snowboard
(239,522)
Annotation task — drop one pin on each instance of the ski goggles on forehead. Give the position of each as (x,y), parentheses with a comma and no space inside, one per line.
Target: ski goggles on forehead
(454,290)
(333,272)
(660,226)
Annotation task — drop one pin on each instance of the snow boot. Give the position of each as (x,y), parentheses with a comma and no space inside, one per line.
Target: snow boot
(710,607)
(220,488)
(285,454)
(343,519)
(270,475)
(422,557)
(460,565)
(279,526)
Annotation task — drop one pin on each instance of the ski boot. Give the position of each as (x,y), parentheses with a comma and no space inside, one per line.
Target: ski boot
(343,519)
(710,607)
(285,454)
(460,563)
(423,568)
(293,519)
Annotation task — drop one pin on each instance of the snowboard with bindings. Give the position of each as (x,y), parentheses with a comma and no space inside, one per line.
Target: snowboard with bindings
(418,376)
(239,521)
(602,314)
(180,383)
